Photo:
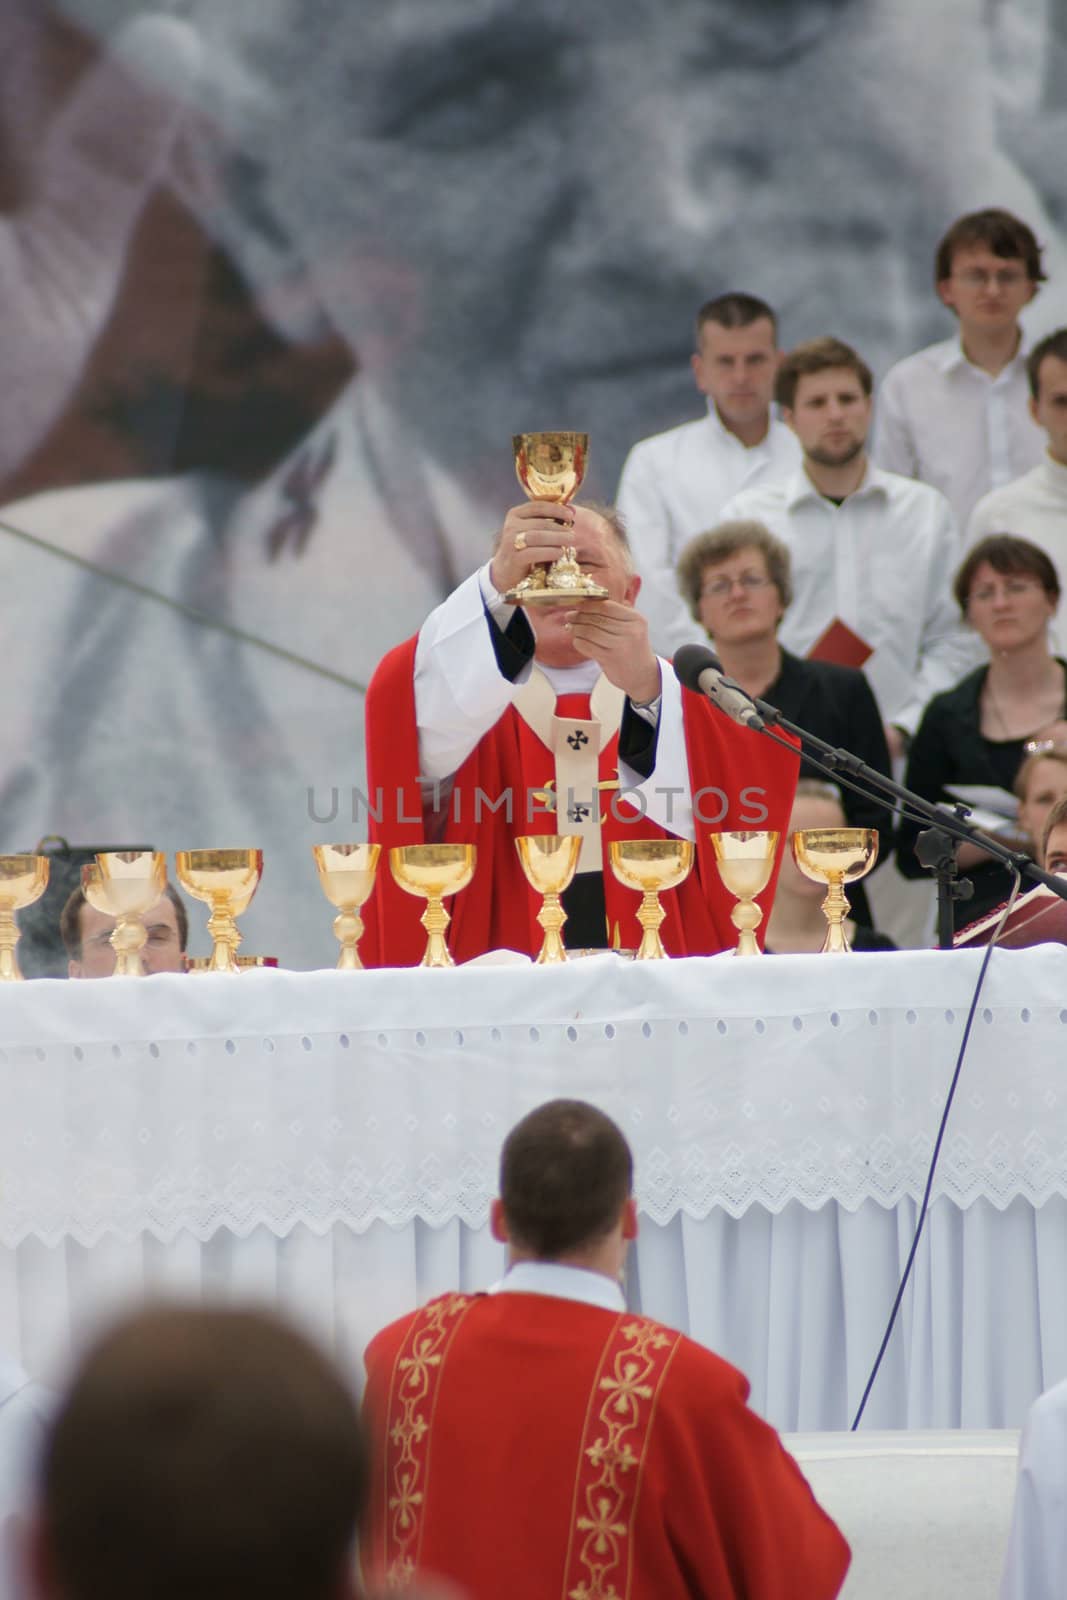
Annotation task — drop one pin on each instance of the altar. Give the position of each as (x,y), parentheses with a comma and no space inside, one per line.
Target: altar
(327,1142)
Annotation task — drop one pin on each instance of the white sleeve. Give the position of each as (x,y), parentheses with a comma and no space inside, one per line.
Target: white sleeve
(947,649)
(1035,1566)
(665,796)
(645,514)
(891,442)
(460,692)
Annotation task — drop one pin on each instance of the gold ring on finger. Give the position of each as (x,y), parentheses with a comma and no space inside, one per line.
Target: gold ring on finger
(520,540)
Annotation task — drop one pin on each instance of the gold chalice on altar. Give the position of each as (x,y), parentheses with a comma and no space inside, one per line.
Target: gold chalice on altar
(549,861)
(835,856)
(745,859)
(650,866)
(346,874)
(551,466)
(225,880)
(124,884)
(23,879)
(434,871)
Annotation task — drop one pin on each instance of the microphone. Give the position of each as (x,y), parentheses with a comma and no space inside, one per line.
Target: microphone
(700,669)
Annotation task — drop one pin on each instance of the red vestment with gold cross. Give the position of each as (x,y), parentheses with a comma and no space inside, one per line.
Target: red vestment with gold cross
(735,769)
(535,1447)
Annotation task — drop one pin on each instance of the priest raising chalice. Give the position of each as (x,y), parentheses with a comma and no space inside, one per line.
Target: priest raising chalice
(507,716)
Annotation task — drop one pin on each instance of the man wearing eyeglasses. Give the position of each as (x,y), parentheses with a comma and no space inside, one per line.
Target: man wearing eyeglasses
(956,414)
(86,935)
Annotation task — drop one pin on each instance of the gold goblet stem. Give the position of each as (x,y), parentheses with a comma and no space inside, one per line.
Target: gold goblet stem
(9,938)
(835,909)
(348,930)
(650,914)
(128,938)
(746,917)
(223,929)
(435,920)
(551,917)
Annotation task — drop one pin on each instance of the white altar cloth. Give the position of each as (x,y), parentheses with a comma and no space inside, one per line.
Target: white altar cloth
(330,1140)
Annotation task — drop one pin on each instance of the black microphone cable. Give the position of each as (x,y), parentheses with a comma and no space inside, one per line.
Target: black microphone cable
(942,1124)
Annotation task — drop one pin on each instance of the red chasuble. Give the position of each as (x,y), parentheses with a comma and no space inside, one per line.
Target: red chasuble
(732,772)
(538,1448)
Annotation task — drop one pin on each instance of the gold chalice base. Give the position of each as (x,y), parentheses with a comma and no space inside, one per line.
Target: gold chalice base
(200,964)
(561,583)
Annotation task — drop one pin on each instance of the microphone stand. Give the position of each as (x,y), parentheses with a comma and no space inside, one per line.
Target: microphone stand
(937,844)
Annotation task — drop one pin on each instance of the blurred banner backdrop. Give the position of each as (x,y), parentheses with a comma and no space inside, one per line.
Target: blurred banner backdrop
(279,279)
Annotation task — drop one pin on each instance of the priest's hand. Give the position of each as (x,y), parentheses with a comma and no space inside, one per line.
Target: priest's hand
(536,531)
(613,634)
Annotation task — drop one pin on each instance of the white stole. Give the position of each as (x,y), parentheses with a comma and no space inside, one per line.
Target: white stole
(575,745)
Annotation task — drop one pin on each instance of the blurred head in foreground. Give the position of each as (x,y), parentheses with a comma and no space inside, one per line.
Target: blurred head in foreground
(207,1453)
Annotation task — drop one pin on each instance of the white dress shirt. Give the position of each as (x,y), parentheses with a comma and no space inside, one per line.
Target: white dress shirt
(561,1283)
(945,421)
(1034,507)
(882,562)
(1035,1567)
(460,693)
(673,486)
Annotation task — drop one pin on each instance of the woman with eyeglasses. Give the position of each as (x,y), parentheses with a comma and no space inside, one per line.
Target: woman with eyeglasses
(737,581)
(979,732)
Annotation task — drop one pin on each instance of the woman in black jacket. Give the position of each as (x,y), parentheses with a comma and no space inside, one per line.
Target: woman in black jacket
(977,732)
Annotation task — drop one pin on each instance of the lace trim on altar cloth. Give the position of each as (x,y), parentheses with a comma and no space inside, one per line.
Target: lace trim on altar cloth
(172,1136)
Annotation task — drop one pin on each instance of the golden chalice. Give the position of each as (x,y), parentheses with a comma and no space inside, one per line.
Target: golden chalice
(225,880)
(745,860)
(346,873)
(434,871)
(835,856)
(650,866)
(23,879)
(124,884)
(551,466)
(549,861)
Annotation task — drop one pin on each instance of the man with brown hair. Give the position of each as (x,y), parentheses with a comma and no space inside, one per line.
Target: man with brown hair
(955,414)
(1054,839)
(1034,506)
(202,1452)
(86,935)
(540,1441)
(673,484)
(873,553)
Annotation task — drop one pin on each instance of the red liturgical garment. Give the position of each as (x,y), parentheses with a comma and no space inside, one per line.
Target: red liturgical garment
(537,1448)
(738,779)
